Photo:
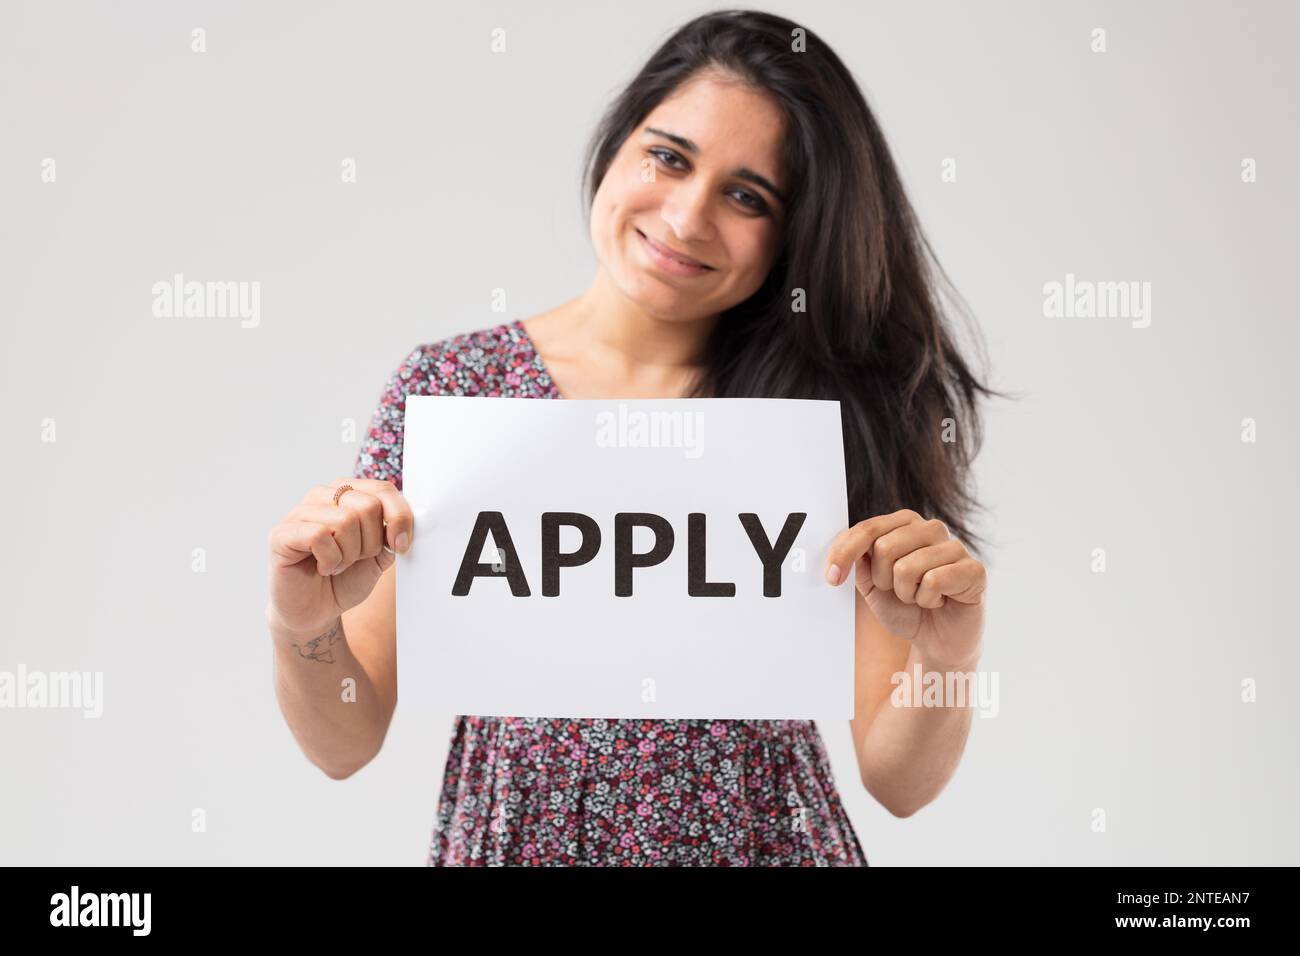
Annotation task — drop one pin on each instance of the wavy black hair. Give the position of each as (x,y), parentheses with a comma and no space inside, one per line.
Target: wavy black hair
(872,332)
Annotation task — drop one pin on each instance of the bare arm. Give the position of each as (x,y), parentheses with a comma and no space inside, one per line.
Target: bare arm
(337,688)
(906,755)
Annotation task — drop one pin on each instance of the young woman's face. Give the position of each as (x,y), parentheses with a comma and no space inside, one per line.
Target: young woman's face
(701,177)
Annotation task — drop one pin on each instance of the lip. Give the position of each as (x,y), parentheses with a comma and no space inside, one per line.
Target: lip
(669,261)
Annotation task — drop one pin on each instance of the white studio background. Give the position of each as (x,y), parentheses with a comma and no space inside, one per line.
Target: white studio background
(1119,691)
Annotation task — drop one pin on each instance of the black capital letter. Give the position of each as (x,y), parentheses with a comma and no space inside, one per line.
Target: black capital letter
(697,571)
(772,557)
(553,559)
(470,566)
(624,557)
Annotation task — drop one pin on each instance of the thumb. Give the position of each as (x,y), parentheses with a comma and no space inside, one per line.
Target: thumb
(863,579)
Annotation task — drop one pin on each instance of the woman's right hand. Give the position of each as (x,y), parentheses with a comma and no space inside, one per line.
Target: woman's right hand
(326,558)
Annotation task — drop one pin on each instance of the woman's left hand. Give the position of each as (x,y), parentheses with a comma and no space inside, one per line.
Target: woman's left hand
(920,583)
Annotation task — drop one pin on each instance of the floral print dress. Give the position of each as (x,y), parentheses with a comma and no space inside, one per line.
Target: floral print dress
(597,792)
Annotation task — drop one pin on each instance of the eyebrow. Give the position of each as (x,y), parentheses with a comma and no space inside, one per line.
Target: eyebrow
(743,173)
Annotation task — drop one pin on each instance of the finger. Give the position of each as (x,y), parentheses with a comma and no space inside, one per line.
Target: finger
(344,524)
(928,594)
(893,546)
(384,559)
(370,516)
(911,568)
(963,581)
(324,494)
(398,518)
(856,540)
(293,541)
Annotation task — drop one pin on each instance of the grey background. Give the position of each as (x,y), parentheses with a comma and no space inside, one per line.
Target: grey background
(1118,690)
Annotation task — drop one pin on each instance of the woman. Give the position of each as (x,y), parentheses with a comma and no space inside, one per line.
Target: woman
(754,240)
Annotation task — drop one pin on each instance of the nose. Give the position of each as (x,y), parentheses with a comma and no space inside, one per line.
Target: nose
(686,209)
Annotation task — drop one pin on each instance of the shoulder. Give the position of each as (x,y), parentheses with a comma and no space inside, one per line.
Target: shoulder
(490,361)
(486,361)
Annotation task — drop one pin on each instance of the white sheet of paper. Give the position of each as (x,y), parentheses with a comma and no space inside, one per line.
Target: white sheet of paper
(659,653)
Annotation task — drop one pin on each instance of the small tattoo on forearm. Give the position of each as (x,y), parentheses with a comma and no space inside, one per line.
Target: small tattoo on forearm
(321,648)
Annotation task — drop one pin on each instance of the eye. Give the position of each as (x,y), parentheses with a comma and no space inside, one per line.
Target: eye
(748,199)
(661,153)
(755,203)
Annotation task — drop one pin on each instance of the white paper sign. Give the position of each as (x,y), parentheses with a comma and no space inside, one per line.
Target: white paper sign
(628,607)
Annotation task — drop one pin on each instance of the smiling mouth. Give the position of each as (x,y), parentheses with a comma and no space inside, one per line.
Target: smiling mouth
(669,254)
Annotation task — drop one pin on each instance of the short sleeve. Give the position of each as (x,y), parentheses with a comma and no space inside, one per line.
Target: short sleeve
(380,455)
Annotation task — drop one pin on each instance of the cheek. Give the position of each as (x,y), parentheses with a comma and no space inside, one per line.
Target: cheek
(629,198)
(618,207)
(753,256)
(605,214)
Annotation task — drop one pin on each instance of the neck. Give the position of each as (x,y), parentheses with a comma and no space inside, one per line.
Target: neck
(620,330)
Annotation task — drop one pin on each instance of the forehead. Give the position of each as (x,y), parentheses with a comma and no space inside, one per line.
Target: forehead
(727,120)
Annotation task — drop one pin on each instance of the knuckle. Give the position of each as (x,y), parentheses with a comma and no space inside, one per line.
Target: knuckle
(335,523)
(379,488)
(361,505)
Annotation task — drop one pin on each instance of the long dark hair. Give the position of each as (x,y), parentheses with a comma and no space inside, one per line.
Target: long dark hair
(872,333)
